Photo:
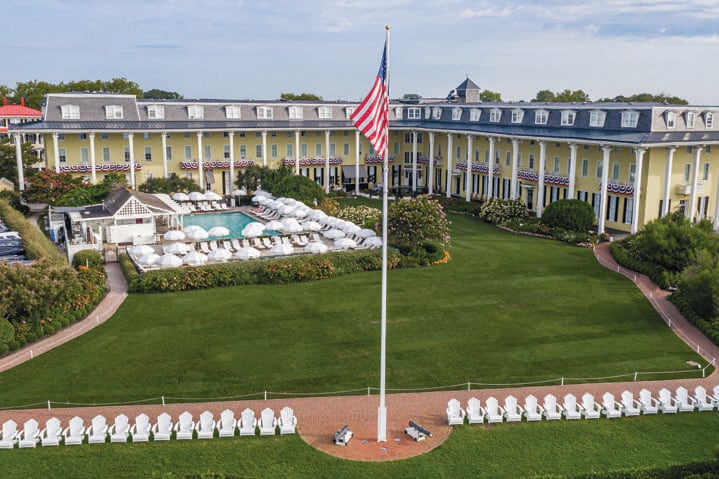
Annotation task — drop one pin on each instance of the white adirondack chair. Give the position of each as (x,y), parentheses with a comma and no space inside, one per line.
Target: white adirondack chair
(512,411)
(590,409)
(51,434)
(552,410)
(228,423)
(9,434)
(532,410)
(649,405)
(610,408)
(631,406)
(455,413)
(667,404)
(184,427)
(267,422)
(475,413)
(572,410)
(715,396)
(140,431)
(248,423)
(685,403)
(30,434)
(97,432)
(287,421)
(703,401)
(206,426)
(162,430)
(120,431)
(75,432)
(493,411)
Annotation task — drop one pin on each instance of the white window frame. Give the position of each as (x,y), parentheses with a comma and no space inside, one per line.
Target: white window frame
(456,114)
(106,154)
(517,115)
(630,119)
(155,112)
(70,112)
(296,112)
(398,113)
(475,114)
(414,113)
(148,153)
(495,115)
(436,113)
(597,118)
(324,113)
(709,119)
(671,119)
(349,110)
(541,117)
(233,112)
(264,113)
(568,117)
(195,112)
(691,119)
(427,113)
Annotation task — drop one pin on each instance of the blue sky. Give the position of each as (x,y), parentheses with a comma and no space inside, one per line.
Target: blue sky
(258,49)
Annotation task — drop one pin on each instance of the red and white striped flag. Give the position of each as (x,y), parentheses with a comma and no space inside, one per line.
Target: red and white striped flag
(371,117)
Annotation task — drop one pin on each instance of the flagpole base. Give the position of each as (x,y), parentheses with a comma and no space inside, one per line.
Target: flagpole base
(381,424)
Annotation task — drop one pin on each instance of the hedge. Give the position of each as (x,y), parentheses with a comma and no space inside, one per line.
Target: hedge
(709,328)
(681,471)
(657,274)
(36,245)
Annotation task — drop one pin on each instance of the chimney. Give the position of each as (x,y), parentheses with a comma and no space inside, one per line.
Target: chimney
(22,101)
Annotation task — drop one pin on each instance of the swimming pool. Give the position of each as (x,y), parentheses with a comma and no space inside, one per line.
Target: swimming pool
(234,222)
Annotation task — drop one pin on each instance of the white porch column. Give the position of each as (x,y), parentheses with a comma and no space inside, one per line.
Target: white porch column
(448,176)
(131,147)
(264,148)
(716,208)
(56,151)
(18,158)
(327,161)
(639,153)
(572,169)
(668,180)
(430,177)
(695,182)
(163,137)
(231,136)
(468,177)
(513,193)
(93,173)
(414,162)
(490,168)
(603,191)
(357,158)
(297,152)
(200,160)
(540,180)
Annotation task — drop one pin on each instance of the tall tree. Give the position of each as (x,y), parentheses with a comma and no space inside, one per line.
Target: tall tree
(162,94)
(8,161)
(565,96)
(34,92)
(300,96)
(489,95)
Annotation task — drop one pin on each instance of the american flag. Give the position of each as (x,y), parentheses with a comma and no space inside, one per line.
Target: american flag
(371,117)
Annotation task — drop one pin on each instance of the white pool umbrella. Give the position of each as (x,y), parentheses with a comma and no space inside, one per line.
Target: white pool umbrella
(316,247)
(333,222)
(290,223)
(317,215)
(334,234)
(300,212)
(240,192)
(141,250)
(218,231)
(375,241)
(174,235)
(194,258)
(253,229)
(175,248)
(169,261)
(283,249)
(365,233)
(197,234)
(197,196)
(274,225)
(247,253)
(350,228)
(345,243)
(219,254)
(261,192)
(292,228)
(179,196)
(311,226)
(259,199)
(212,196)
(148,259)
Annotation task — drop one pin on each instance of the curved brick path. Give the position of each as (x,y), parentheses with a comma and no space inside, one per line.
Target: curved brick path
(318,418)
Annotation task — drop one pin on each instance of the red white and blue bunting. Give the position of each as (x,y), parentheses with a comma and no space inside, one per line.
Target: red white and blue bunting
(212,165)
(313,161)
(626,190)
(548,179)
(376,159)
(476,168)
(104,167)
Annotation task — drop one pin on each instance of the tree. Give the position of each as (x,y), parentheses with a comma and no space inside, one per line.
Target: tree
(162,94)
(645,98)
(250,178)
(544,96)
(299,187)
(48,186)
(699,284)
(565,96)
(572,215)
(8,160)
(418,221)
(411,96)
(489,95)
(34,92)
(301,96)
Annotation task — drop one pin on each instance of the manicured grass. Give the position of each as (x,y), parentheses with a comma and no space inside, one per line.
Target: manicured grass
(505,309)
(556,449)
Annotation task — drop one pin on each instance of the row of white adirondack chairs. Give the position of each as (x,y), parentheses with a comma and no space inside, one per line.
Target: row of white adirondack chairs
(185,428)
(571,408)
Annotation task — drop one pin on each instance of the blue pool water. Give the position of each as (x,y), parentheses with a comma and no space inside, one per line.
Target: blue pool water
(234,222)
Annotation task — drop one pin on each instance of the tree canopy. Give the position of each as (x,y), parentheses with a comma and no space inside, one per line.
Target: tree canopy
(646,98)
(34,91)
(300,96)
(489,95)
(565,96)
(161,94)
(8,161)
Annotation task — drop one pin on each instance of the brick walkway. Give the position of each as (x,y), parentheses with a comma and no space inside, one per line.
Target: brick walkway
(319,418)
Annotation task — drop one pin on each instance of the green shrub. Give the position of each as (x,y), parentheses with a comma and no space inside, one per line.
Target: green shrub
(4,348)
(502,211)
(39,332)
(571,215)
(89,258)
(36,245)
(457,205)
(31,337)
(129,271)
(7,331)
(13,345)
(655,272)
(13,198)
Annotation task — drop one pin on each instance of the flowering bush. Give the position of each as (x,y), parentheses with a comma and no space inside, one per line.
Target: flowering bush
(501,211)
(329,206)
(361,215)
(417,221)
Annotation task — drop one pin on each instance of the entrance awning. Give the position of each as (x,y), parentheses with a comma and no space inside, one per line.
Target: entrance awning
(348,171)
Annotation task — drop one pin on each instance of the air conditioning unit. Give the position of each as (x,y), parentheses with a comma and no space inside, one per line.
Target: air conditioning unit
(683,189)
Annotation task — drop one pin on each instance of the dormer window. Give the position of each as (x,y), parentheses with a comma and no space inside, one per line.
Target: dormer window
(474,114)
(155,112)
(568,117)
(349,110)
(264,112)
(541,117)
(436,113)
(596,118)
(296,113)
(495,115)
(398,113)
(671,119)
(630,119)
(70,112)
(709,119)
(691,119)
(517,115)
(414,113)
(456,113)
(195,112)
(324,112)
(233,112)
(113,112)
(427,113)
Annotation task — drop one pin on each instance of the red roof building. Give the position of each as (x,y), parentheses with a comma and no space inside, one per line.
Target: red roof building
(16,114)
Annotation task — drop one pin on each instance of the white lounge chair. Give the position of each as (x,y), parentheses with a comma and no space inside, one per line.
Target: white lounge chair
(206,426)
(552,410)
(228,423)
(590,409)
(512,411)
(631,406)
(52,433)
(667,404)
(715,395)
(97,432)
(9,434)
(184,427)
(685,403)
(267,242)
(493,411)
(74,432)
(475,413)
(162,430)
(30,434)
(455,413)
(235,245)
(140,431)
(572,410)
(532,410)
(703,401)
(611,408)
(248,423)
(649,405)
(256,243)
(287,421)
(267,422)
(120,431)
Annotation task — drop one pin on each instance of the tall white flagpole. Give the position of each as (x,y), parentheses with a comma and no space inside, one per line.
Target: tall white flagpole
(382,410)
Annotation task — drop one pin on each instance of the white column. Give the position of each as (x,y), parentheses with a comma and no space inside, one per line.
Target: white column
(430,177)
(231,136)
(490,179)
(357,158)
(131,147)
(414,162)
(56,151)
(448,176)
(695,182)
(18,158)
(468,178)
(603,191)
(513,193)
(639,153)
(327,161)
(297,151)
(200,159)
(572,169)
(716,207)
(163,137)
(540,180)
(668,180)
(93,173)
(264,148)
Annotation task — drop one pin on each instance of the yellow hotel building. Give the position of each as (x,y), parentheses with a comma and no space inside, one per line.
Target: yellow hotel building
(632,162)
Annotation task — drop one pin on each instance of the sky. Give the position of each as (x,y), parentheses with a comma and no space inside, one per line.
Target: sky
(244,49)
